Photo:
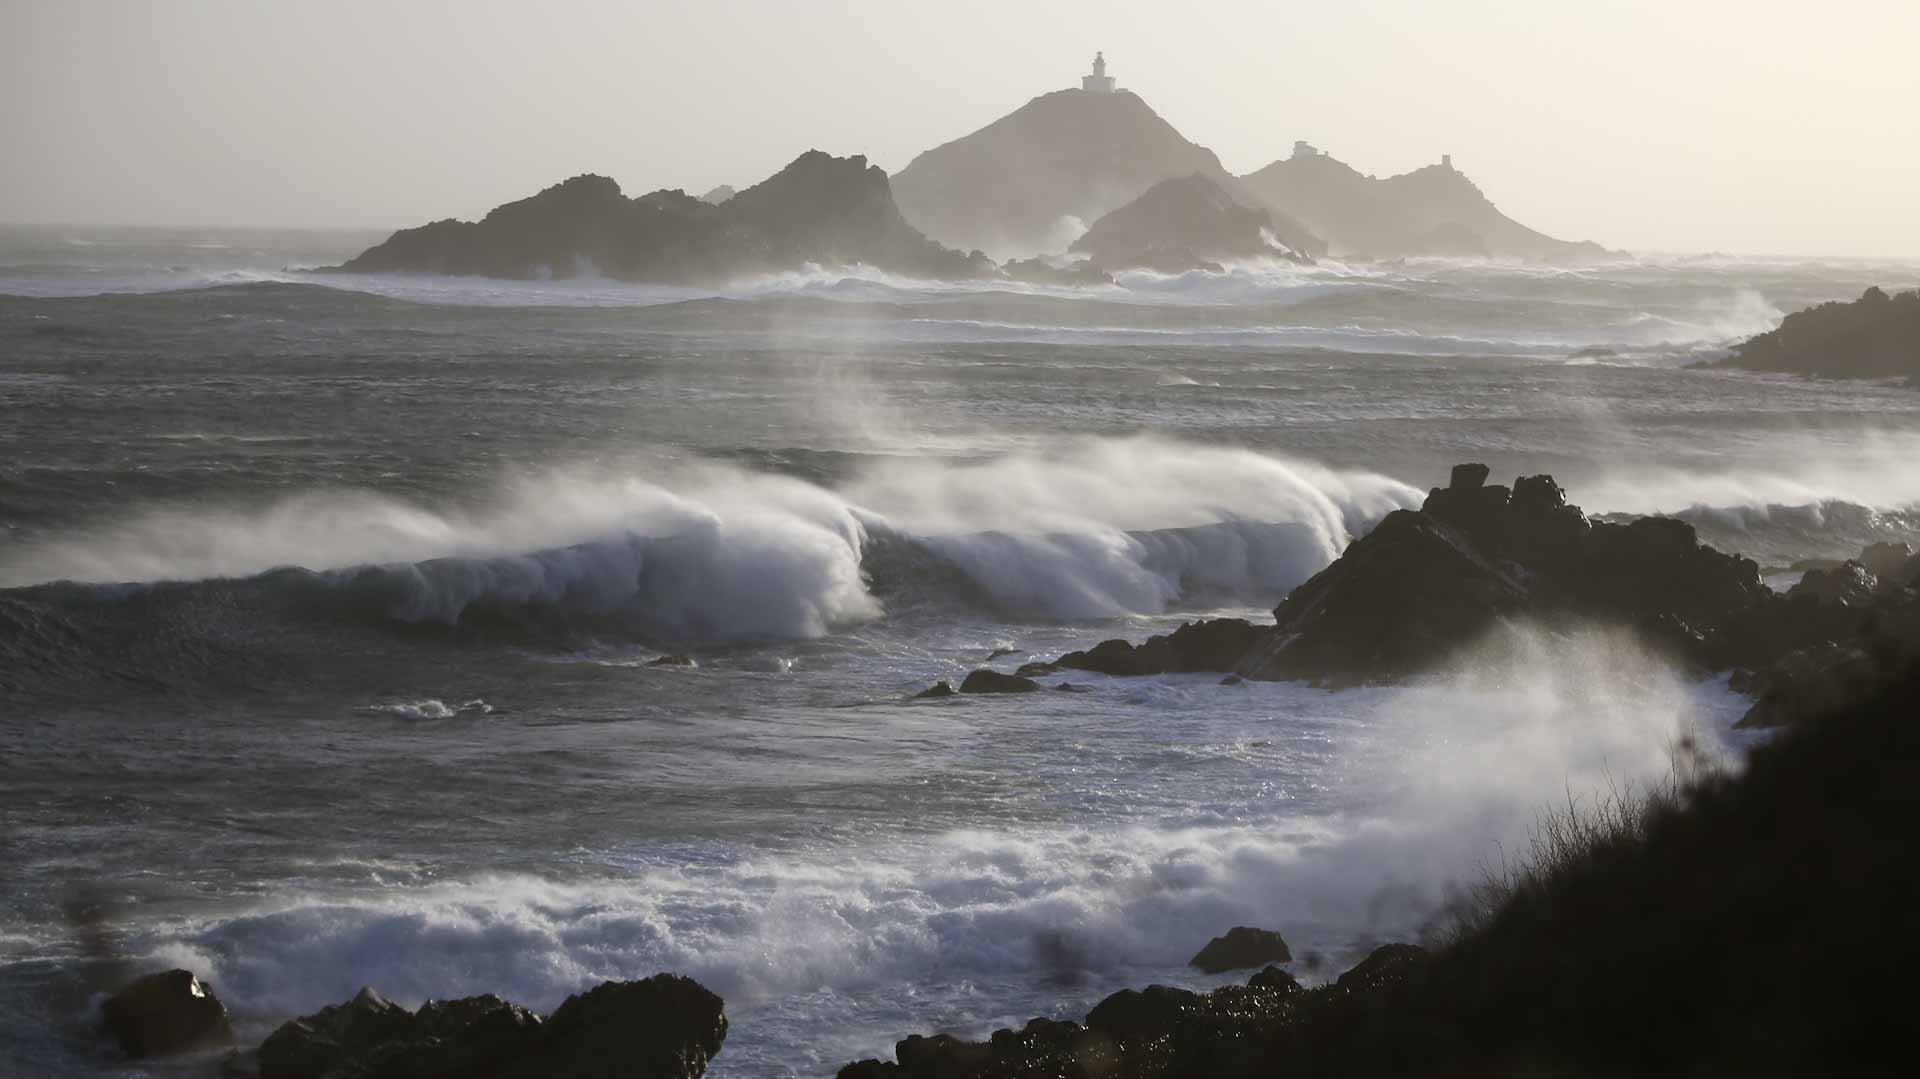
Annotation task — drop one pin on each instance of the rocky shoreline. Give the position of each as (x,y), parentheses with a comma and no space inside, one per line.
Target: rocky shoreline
(1407,597)
(663,1027)
(1701,886)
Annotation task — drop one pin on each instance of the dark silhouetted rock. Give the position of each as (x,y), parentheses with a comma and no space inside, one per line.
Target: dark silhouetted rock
(1435,210)
(1811,682)
(1070,687)
(1037,670)
(339,1038)
(938,689)
(987,681)
(169,1012)
(1181,224)
(820,209)
(1468,477)
(1208,645)
(1876,336)
(1424,584)
(1399,600)
(667,1026)
(1848,584)
(1888,562)
(1387,965)
(1275,979)
(1143,1015)
(1242,947)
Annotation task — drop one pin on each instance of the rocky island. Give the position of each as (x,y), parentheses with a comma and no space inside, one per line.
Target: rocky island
(823,210)
(1434,210)
(1030,180)
(1182,224)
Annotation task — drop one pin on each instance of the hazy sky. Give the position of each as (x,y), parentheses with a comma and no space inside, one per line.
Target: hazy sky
(1679,125)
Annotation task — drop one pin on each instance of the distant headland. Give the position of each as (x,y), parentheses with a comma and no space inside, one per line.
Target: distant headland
(1085,181)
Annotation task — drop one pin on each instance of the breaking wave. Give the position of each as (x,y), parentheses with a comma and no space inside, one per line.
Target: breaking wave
(711,555)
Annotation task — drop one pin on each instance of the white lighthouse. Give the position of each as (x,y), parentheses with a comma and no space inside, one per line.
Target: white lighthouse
(1099,82)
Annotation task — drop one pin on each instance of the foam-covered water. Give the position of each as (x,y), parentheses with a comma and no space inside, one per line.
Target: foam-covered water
(329,608)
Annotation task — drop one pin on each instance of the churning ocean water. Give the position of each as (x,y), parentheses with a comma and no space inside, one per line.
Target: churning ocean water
(328,606)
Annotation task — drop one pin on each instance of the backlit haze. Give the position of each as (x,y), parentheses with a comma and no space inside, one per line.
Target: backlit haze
(1750,126)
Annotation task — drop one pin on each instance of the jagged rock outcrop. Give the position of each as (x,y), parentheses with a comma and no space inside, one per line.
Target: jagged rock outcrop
(1424,584)
(665,1026)
(1026,182)
(1876,336)
(1180,224)
(1434,210)
(169,1012)
(833,211)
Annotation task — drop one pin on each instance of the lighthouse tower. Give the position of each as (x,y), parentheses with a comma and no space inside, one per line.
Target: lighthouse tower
(1099,82)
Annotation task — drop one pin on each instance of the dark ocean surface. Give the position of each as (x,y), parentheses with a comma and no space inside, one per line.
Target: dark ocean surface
(327,605)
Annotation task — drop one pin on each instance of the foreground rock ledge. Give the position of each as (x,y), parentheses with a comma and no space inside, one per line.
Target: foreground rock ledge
(665,1027)
(1156,1031)
(169,1012)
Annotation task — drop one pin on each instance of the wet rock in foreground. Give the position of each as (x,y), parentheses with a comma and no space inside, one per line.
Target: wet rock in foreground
(169,1012)
(665,1027)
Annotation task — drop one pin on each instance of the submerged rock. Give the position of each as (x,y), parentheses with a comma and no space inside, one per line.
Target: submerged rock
(935,691)
(1242,947)
(988,681)
(673,661)
(169,1012)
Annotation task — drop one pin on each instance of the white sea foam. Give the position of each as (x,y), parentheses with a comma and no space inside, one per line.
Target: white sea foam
(432,708)
(1425,784)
